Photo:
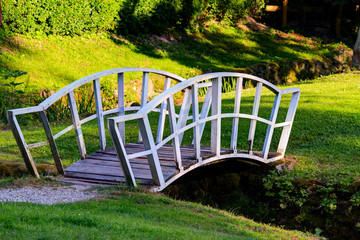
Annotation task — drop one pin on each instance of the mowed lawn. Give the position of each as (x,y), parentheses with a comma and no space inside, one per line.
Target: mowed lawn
(131,215)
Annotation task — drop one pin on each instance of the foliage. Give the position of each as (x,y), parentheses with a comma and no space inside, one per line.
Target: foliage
(148,16)
(76,17)
(64,17)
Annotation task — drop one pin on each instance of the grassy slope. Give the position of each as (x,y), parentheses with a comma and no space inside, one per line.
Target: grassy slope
(131,215)
(53,62)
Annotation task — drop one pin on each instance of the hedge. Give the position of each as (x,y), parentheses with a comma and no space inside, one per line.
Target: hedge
(63,17)
(75,17)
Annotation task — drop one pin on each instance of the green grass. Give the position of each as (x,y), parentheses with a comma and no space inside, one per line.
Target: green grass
(53,62)
(131,215)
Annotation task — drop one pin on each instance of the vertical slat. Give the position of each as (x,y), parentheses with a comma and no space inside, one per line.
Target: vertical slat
(121,153)
(289,118)
(184,112)
(77,125)
(20,140)
(161,124)
(205,109)
(195,115)
(52,143)
(176,143)
(99,114)
(270,129)
(121,104)
(216,111)
(153,157)
(144,94)
(235,126)
(255,114)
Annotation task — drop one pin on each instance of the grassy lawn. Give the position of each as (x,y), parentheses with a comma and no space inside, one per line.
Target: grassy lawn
(53,62)
(131,215)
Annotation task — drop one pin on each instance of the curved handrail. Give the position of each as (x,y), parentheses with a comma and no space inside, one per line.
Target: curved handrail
(78,83)
(199,121)
(100,113)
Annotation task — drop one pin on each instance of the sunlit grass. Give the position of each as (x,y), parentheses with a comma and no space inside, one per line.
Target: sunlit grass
(131,215)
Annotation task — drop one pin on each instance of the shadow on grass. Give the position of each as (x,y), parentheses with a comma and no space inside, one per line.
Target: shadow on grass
(217,50)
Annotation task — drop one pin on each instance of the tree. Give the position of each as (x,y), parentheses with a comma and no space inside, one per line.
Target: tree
(356,56)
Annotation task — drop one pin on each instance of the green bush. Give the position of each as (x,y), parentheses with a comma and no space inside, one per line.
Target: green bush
(75,17)
(64,17)
(155,16)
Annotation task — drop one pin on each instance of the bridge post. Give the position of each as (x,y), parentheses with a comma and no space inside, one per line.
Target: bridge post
(184,112)
(121,153)
(153,157)
(205,109)
(195,115)
(121,105)
(235,126)
(52,143)
(77,125)
(289,118)
(254,114)
(173,127)
(270,129)
(216,111)
(99,114)
(20,140)
(160,131)
(144,94)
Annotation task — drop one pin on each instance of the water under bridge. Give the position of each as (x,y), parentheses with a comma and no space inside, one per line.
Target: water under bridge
(187,135)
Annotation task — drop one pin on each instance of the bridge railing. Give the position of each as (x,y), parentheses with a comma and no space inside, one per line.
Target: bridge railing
(179,124)
(76,121)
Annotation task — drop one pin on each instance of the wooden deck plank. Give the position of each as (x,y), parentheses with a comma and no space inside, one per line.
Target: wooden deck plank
(103,166)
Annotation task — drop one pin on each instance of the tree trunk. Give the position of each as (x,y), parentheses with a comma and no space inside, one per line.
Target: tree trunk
(284,13)
(338,21)
(356,56)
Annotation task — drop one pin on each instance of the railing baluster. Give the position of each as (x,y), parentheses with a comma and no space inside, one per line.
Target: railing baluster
(149,144)
(99,114)
(77,125)
(20,140)
(184,112)
(235,126)
(144,94)
(52,143)
(121,104)
(161,124)
(121,153)
(173,126)
(216,110)
(289,118)
(205,109)
(255,114)
(195,115)
(270,129)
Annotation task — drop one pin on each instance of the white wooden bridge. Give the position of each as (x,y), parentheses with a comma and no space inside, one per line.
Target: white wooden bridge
(157,160)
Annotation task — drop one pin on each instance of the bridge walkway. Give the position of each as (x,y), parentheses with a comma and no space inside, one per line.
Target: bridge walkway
(102,167)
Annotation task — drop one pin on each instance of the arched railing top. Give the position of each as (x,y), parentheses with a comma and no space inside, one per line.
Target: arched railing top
(198,79)
(180,124)
(78,83)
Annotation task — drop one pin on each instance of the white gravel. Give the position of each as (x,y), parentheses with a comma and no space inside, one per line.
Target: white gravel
(48,195)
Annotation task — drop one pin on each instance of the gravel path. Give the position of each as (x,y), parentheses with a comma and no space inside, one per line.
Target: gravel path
(48,195)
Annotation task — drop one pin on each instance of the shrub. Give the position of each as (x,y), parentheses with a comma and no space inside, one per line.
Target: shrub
(64,17)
